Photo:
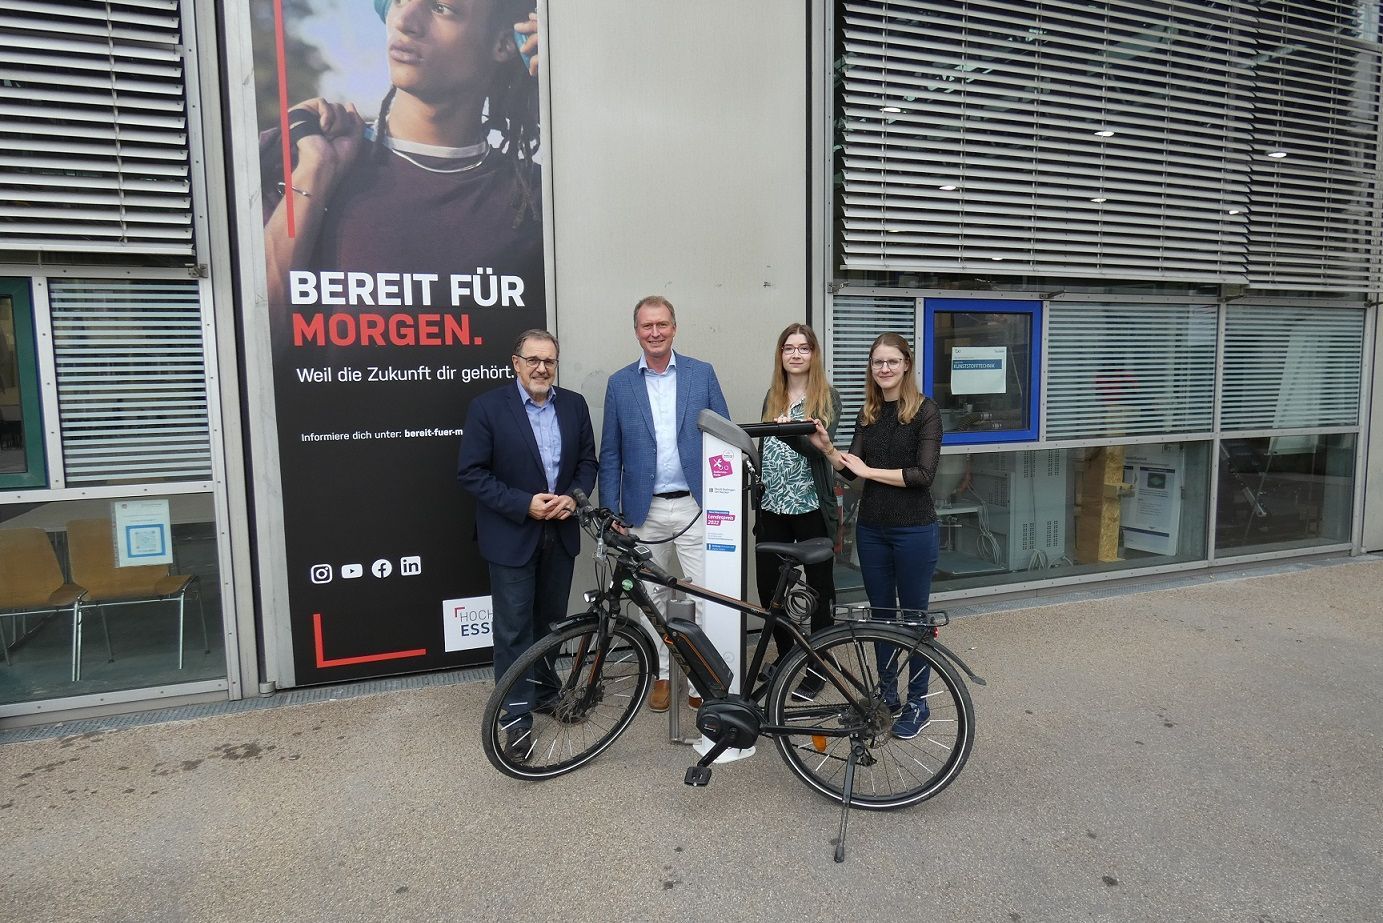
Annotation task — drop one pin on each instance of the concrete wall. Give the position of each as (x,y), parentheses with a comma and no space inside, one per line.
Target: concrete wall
(678,166)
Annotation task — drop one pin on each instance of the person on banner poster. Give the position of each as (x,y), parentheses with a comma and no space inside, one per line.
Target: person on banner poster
(403,234)
(420,194)
(526,445)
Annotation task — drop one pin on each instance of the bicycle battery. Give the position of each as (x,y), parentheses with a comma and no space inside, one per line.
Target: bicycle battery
(709,672)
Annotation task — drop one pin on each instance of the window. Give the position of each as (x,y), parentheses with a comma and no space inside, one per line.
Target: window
(855,321)
(21,430)
(131,374)
(1291,367)
(980,364)
(1129,369)
(1013,517)
(103,595)
(1284,492)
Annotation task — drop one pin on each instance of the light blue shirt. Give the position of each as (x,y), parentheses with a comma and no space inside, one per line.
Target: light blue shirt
(543,418)
(662,398)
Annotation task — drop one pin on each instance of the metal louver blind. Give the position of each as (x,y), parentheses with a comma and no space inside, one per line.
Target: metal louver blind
(1129,369)
(93,128)
(1291,367)
(132,395)
(1313,213)
(1113,140)
(855,321)
(971,138)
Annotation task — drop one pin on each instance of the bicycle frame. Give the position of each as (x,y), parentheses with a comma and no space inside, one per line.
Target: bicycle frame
(637,593)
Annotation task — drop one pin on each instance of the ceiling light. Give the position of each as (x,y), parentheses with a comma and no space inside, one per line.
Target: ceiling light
(1099,198)
(890,109)
(1104,134)
(947,188)
(1277,154)
(1234,211)
(997,259)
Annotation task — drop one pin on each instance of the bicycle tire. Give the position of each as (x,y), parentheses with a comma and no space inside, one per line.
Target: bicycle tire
(895,772)
(593,708)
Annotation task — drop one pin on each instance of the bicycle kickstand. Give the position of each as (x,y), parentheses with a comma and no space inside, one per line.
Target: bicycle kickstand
(856,752)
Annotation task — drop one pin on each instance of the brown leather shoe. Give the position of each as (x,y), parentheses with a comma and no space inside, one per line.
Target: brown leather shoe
(694,700)
(662,693)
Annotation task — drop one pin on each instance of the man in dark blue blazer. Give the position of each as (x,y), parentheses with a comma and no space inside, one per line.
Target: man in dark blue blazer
(650,452)
(525,445)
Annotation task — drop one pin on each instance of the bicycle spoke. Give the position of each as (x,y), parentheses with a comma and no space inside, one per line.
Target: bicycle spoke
(599,684)
(891,771)
(864,664)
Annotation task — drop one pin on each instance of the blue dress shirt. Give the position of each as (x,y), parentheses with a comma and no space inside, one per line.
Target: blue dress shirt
(662,398)
(543,418)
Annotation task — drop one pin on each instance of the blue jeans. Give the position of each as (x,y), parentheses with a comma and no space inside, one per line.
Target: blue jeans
(527,600)
(897,563)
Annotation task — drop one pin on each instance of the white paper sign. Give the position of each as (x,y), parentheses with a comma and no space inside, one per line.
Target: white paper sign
(143,532)
(978,369)
(467,623)
(1151,514)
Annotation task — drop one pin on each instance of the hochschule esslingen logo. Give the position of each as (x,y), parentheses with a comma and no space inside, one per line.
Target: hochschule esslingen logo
(466,623)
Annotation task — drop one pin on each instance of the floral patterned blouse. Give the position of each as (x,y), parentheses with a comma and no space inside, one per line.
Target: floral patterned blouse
(788,486)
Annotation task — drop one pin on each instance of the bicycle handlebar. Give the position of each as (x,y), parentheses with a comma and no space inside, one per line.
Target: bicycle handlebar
(607,527)
(762,430)
(583,503)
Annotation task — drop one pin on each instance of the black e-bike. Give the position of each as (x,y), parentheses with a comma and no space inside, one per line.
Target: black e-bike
(829,703)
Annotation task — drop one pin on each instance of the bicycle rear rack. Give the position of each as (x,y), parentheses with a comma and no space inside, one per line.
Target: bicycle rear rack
(910,618)
(928,620)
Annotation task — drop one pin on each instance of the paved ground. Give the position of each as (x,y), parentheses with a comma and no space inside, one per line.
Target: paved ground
(1208,752)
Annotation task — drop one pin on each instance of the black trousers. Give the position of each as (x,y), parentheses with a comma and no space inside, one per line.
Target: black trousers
(780,527)
(527,599)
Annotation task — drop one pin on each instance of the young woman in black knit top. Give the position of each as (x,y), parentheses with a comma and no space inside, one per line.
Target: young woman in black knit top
(896,449)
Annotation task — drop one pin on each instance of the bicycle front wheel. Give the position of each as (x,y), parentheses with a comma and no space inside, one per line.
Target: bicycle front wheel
(566,699)
(884,669)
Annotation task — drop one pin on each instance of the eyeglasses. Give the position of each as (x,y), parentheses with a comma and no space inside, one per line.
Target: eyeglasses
(886,363)
(804,350)
(534,362)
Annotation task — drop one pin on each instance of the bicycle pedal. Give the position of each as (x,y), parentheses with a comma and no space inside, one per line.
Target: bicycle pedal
(699,776)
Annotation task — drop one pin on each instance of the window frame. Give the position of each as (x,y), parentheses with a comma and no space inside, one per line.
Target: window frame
(35,472)
(1033,308)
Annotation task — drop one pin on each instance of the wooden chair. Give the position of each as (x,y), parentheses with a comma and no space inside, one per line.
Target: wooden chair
(31,582)
(91,550)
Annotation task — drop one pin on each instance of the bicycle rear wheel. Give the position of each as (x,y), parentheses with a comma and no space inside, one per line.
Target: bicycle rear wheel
(894,772)
(566,699)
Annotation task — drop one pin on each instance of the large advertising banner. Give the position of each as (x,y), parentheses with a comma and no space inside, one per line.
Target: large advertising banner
(402,190)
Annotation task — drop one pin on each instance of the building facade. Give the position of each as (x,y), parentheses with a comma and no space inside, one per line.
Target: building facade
(1135,247)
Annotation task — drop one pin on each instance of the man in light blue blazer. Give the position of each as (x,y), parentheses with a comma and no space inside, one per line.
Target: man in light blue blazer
(650,452)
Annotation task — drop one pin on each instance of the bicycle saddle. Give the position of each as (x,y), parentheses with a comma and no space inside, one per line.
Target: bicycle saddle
(811,551)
